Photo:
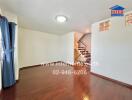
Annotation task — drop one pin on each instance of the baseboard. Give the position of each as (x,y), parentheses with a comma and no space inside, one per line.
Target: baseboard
(26,67)
(46,64)
(112,80)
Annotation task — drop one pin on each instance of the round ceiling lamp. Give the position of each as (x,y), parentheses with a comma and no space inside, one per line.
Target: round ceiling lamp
(61,19)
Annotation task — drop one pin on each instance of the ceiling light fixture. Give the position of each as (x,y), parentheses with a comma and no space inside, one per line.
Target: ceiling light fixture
(61,19)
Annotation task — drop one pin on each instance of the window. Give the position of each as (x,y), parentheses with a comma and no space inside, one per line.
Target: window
(104,26)
(129,19)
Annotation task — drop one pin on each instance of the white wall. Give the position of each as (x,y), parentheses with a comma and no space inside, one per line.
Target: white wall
(67,47)
(112,50)
(37,47)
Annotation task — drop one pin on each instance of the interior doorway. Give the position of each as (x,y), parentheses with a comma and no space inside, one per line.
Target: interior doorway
(82,48)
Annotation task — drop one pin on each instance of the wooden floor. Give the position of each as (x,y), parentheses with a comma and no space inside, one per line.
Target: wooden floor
(39,83)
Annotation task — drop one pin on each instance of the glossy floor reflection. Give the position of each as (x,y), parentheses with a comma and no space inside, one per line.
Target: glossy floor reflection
(45,83)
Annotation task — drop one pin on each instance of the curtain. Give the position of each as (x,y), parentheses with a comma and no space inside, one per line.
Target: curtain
(8,37)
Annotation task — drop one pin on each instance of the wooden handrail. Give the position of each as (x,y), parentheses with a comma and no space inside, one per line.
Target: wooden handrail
(83,44)
(83,37)
(79,41)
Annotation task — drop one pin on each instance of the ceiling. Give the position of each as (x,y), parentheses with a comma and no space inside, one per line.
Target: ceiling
(40,14)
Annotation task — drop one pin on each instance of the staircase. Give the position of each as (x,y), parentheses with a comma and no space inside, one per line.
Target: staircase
(85,55)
